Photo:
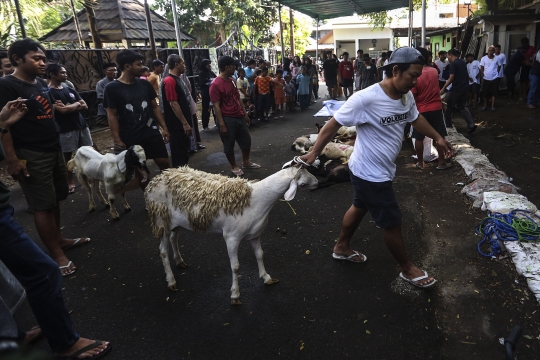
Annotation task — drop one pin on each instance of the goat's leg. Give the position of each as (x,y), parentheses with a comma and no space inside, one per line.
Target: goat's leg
(232,249)
(164,253)
(124,202)
(110,195)
(257,249)
(100,194)
(83,179)
(173,238)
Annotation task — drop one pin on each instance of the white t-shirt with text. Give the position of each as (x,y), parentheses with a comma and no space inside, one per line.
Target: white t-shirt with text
(380,122)
(491,67)
(442,65)
(502,60)
(473,69)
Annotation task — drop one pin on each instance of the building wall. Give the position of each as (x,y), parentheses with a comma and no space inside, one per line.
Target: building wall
(355,36)
(443,44)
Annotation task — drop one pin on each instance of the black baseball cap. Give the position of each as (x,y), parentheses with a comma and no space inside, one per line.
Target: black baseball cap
(404,55)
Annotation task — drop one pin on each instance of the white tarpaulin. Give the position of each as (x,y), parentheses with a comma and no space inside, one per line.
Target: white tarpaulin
(491,189)
(329,108)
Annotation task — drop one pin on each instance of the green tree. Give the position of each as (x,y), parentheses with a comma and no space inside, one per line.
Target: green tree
(206,18)
(301,32)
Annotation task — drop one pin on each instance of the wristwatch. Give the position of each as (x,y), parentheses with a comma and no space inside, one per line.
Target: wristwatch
(4,131)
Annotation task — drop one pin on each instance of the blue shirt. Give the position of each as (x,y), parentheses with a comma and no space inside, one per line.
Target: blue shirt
(303,82)
(249,72)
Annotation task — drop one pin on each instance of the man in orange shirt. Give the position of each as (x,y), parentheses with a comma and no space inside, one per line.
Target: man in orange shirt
(262,85)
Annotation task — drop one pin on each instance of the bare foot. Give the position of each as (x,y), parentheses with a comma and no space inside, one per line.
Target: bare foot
(82,343)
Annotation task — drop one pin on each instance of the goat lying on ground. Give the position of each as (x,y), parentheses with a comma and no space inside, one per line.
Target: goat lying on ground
(304,143)
(236,208)
(333,171)
(337,151)
(109,169)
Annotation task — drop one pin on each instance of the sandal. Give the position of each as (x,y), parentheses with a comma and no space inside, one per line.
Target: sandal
(78,353)
(415,280)
(238,172)
(71,189)
(32,335)
(201,146)
(419,167)
(251,166)
(76,242)
(447,166)
(68,266)
(350,257)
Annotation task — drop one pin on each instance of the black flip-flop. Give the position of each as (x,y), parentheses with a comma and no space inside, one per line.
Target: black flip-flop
(85,349)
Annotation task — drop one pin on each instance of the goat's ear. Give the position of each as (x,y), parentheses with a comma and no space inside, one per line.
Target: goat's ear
(289,195)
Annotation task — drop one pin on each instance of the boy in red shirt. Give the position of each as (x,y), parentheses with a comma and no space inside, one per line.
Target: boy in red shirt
(346,75)
(279,91)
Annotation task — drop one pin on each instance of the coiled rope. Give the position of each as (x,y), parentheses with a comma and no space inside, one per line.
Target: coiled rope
(518,225)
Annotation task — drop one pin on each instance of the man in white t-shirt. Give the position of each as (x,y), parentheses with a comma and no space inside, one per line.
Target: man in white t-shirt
(502,59)
(442,63)
(380,113)
(490,67)
(473,69)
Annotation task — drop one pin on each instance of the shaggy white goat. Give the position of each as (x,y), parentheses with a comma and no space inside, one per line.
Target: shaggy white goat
(109,169)
(336,151)
(236,208)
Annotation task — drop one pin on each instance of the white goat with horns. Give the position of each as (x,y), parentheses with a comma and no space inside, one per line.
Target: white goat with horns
(109,169)
(236,208)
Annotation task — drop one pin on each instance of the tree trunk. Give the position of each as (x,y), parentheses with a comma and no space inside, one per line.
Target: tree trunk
(222,33)
(91,17)
(291,31)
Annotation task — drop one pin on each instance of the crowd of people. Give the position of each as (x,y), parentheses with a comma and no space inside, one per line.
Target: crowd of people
(155,107)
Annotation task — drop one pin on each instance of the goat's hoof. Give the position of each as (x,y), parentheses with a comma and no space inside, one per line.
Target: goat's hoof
(128,209)
(173,287)
(182,265)
(236,302)
(107,206)
(272,282)
(116,218)
(91,210)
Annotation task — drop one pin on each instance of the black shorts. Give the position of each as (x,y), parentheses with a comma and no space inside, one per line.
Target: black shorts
(474,88)
(379,199)
(490,87)
(524,74)
(238,131)
(347,82)
(154,146)
(331,81)
(510,83)
(436,120)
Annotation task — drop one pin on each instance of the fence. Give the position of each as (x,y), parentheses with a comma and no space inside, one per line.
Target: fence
(85,69)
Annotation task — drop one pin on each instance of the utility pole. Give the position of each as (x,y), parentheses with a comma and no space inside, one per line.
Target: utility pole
(281,35)
(177,28)
(21,20)
(153,54)
(291,31)
(423,42)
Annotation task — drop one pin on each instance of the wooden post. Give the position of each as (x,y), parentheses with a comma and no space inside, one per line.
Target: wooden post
(291,18)
(20,17)
(153,53)
(92,24)
(281,35)
(77,25)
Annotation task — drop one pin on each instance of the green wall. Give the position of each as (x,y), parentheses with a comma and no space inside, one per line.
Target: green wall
(439,39)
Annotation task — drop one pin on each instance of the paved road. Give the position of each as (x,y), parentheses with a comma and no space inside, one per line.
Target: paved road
(320,309)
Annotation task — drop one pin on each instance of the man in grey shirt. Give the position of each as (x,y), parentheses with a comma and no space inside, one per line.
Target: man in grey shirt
(110,75)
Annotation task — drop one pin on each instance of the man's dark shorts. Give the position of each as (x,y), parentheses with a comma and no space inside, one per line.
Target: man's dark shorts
(524,74)
(436,120)
(154,146)
(238,131)
(474,88)
(47,184)
(379,199)
(490,87)
(331,81)
(347,82)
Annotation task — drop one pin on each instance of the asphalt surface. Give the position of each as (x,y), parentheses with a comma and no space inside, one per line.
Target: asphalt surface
(321,308)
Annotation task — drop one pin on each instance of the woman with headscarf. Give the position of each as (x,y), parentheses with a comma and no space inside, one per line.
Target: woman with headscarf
(296,68)
(206,75)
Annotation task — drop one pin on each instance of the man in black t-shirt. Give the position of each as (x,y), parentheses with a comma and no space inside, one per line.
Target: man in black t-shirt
(330,67)
(74,131)
(131,103)
(511,70)
(458,94)
(32,147)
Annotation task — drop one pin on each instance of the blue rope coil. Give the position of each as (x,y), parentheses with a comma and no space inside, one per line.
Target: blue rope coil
(518,225)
